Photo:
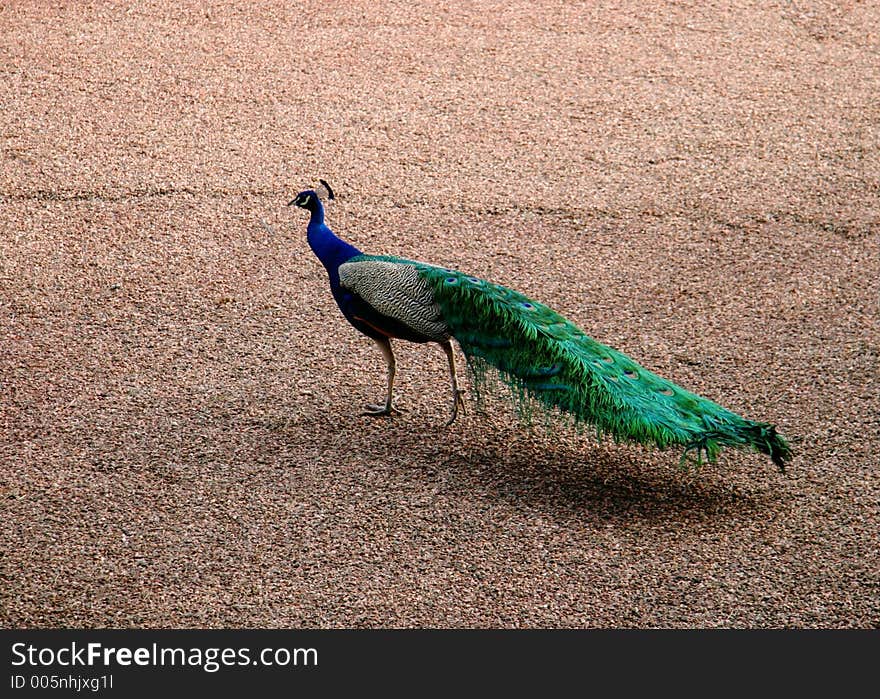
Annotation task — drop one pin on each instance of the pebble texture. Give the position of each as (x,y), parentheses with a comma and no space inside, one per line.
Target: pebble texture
(696,184)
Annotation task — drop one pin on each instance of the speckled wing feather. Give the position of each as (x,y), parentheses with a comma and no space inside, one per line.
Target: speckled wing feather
(396,290)
(544,356)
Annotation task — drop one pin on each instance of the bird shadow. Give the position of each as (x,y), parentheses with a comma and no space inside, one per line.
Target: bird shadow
(564,478)
(595,484)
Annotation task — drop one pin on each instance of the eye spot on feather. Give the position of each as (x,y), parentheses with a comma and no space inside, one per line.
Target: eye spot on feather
(613,378)
(452,280)
(475,280)
(630,374)
(528,306)
(608,360)
(666,391)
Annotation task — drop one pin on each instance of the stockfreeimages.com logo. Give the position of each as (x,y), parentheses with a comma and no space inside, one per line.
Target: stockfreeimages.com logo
(209,659)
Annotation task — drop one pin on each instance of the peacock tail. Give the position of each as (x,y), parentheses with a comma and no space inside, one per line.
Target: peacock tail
(545,357)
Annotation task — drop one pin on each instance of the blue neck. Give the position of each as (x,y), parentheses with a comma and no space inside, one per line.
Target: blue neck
(327,247)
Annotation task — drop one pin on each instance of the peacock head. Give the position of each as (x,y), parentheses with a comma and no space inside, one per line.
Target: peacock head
(309,198)
(305,200)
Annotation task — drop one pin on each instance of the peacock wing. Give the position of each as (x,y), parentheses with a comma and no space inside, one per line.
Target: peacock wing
(396,290)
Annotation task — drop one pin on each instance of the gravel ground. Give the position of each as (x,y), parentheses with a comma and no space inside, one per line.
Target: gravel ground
(697,184)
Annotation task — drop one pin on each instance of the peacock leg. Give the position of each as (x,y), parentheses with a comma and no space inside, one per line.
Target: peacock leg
(388,408)
(457,394)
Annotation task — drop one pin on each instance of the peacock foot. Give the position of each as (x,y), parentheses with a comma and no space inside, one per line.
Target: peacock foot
(381,410)
(457,404)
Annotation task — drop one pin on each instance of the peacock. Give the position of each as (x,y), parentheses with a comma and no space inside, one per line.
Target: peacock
(545,358)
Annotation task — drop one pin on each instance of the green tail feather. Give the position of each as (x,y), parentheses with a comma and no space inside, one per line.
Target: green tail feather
(542,355)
